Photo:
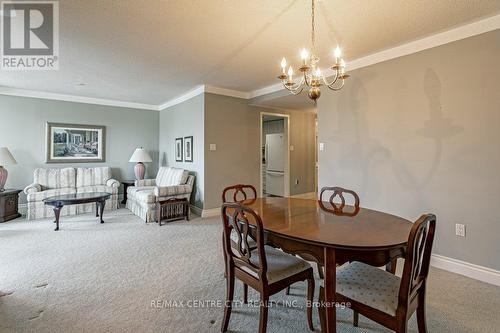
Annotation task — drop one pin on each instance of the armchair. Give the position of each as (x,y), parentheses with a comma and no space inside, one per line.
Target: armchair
(169,183)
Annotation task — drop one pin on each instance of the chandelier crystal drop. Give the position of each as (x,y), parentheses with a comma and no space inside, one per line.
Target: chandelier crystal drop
(310,74)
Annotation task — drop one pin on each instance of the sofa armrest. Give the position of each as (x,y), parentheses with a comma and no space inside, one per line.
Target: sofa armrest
(166,191)
(145,182)
(113,183)
(33,188)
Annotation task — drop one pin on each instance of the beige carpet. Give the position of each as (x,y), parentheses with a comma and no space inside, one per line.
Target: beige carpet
(90,277)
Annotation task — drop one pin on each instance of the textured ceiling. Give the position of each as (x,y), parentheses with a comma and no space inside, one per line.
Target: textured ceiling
(152,51)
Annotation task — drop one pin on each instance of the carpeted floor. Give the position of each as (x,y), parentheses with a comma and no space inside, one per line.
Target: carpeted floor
(127,276)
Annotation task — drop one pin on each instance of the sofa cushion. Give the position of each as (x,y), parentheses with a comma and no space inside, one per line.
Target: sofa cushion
(55,178)
(39,196)
(168,176)
(144,196)
(131,190)
(92,176)
(97,188)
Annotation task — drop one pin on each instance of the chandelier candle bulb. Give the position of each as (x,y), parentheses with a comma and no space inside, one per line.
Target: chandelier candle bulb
(304,56)
(283,65)
(290,74)
(337,54)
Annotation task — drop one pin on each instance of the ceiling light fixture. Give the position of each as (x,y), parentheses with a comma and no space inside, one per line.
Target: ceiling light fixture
(311,73)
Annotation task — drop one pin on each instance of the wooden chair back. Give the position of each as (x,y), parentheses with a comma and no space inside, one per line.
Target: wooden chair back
(417,260)
(244,221)
(240,193)
(338,208)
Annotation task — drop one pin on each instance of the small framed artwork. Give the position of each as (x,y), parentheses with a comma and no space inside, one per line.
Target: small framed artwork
(75,143)
(188,149)
(178,149)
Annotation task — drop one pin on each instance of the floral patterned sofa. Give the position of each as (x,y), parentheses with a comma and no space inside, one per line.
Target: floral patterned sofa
(53,182)
(169,183)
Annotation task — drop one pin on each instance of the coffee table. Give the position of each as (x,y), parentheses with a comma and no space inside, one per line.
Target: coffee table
(58,202)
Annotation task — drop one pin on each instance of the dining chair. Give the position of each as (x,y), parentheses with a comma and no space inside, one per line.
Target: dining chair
(240,193)
(337,209)
(338,191)
(384,297)
(264,268)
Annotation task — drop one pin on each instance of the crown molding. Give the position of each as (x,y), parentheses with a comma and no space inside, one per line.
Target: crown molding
(227,92)
(465,31)
(74,98)
(182,98)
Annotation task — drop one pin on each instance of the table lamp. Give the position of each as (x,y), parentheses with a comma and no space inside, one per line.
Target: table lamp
(6,158)
(140,156)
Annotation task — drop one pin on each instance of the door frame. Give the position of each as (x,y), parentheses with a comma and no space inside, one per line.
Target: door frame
(287,159)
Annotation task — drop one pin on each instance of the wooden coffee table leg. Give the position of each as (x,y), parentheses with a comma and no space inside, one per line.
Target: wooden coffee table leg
(57,213)
(96,209)
(102,204)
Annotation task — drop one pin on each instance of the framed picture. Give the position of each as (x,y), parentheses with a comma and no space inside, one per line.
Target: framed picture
(188,149)
(178,149)
(73,143)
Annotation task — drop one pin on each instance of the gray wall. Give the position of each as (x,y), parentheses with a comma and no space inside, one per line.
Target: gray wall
(421,134)
(23,131)
(178,121)
(234,126)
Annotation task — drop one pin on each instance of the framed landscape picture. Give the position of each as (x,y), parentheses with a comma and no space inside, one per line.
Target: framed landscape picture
(74,143)
(188,149)
(178,150)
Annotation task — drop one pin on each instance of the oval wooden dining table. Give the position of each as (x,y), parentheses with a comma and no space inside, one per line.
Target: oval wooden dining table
(331,237)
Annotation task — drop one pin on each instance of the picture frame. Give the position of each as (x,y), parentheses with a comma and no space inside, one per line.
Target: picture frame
(75,143)
(179,147)
(188,149)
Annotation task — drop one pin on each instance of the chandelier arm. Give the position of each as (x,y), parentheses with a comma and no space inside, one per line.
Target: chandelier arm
(338,88)
(295,87)
(334,80)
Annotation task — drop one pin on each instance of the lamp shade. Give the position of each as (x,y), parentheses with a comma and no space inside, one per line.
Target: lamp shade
(140,155)
(6,157)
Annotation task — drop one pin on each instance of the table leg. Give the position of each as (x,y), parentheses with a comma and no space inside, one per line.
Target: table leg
(330,289)
(102,204)
(57,213)
(391,266)
(96,209)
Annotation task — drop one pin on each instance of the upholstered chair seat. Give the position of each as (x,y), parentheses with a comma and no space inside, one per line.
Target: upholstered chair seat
(369,285)
(280,265)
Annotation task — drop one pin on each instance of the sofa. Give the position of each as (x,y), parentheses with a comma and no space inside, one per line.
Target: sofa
(169,183)
(53,182)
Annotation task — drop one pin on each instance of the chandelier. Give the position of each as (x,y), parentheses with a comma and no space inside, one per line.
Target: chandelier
(311,76)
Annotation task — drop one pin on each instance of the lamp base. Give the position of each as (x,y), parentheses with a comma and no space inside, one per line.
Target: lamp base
(3,178)
(140,171)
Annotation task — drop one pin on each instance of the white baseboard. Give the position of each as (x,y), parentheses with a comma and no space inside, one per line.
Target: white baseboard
(210,212)
(473,271)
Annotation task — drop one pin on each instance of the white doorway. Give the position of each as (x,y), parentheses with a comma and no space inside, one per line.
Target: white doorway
(275,155)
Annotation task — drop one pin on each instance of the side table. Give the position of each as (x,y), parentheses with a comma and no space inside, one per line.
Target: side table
(9,200)
(126,184)
(172,209)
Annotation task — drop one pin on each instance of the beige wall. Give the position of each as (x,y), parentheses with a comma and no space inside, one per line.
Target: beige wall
(179,121)
(234,126)
(421,134)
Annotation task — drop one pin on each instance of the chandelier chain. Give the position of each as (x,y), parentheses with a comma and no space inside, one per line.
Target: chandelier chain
(313,37)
